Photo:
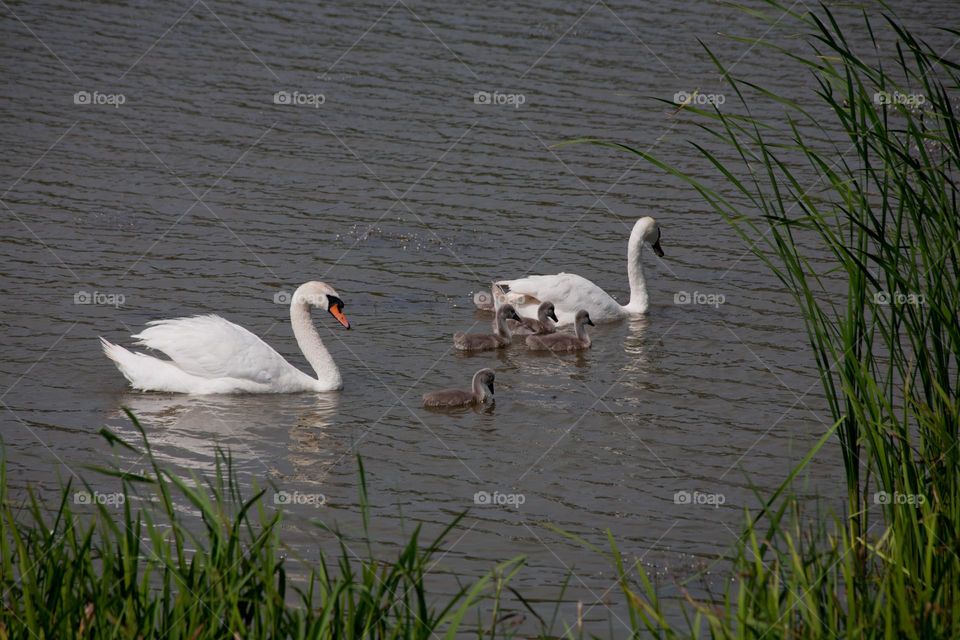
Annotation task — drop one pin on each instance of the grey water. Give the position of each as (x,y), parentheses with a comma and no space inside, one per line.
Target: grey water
(170,159)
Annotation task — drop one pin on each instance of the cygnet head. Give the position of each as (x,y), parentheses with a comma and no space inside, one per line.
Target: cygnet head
(583,318)
(484,378)
(507,312)
(547,310)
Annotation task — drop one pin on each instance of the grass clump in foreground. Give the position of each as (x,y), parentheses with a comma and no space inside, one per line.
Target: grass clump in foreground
(870,250)
(157,572)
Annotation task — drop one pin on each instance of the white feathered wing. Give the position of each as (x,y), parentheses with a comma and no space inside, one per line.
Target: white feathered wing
(568,292)
(208,354)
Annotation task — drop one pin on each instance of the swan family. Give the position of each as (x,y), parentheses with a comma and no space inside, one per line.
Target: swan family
(210,355)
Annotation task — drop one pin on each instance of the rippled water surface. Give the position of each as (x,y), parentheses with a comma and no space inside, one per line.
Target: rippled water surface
(200,194)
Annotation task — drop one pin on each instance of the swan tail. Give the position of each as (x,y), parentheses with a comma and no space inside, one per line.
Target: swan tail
(504,293)
(499,295)
(126,361)
(143,372)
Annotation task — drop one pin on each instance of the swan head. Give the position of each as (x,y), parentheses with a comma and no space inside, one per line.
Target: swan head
(507,312)
(547,310)
(322,296)
(483,379)
(583,317)
(647,230)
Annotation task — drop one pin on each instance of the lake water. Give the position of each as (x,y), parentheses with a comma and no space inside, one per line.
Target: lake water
(175,184)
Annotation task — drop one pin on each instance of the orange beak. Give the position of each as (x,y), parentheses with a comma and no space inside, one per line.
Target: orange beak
(337,313)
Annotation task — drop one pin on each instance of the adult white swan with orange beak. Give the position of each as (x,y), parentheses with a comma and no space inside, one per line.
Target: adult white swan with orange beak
(570,293)
(211,355)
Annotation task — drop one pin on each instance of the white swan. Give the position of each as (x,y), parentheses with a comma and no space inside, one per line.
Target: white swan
(570,293)
(211,355)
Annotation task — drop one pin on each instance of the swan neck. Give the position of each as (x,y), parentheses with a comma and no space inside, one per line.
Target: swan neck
(502,329)
(638,284)
(479,391)
(545,323)
(328,375)
(581,330)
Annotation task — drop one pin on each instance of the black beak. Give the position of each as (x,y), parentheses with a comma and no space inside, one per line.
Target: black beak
(553,316)
(590,322)
(656,248)
(491,388)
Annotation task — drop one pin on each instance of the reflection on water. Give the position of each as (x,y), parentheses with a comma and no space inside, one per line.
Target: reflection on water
(186,431)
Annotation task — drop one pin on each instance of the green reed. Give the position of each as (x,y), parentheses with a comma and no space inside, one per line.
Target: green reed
(869,249)
(158,572)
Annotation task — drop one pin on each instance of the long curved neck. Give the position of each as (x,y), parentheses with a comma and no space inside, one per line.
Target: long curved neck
(581,330)
(312,346)
(479,391)
(502,329)
(545,323)
(638,285)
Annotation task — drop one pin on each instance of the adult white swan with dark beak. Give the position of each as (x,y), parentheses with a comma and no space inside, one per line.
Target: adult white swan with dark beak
(211,355)
(570,293)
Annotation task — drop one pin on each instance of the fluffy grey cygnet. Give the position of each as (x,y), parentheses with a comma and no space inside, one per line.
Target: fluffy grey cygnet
(488,341)
(482,382)
(543,324)
(564,341)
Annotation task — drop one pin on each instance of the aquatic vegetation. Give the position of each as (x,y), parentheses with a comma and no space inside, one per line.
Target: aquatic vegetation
(881,139)
(155,572)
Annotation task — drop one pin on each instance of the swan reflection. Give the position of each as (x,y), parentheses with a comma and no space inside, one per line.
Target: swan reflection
(272,436)
(643,350)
